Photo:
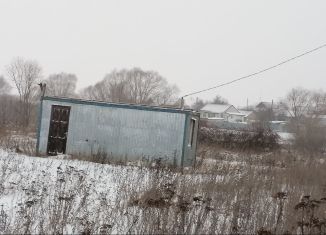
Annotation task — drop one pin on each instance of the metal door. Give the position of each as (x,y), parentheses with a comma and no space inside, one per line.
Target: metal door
(58,131)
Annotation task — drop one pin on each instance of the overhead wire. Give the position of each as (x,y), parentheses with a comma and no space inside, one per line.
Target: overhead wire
(258,72)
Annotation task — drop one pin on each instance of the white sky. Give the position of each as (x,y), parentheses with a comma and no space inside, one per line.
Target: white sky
(194,44)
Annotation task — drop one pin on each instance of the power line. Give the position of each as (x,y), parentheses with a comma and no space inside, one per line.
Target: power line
(258,72)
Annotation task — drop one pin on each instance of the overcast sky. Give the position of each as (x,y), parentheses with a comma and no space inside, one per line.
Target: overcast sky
(194,44)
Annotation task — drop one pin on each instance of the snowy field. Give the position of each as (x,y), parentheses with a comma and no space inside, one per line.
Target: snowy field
(39,189)
(228,193)
(47,195)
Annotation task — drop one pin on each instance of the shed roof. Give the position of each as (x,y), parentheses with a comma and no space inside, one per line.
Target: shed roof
(216,108)
(117,105)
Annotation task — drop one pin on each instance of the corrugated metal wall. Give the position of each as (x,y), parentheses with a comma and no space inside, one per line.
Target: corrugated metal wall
(122,132)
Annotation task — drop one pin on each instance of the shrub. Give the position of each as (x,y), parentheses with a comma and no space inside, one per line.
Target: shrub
(257,138)
(309,135)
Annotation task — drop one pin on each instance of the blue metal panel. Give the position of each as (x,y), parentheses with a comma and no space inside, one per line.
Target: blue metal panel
(123,131)
(39,127)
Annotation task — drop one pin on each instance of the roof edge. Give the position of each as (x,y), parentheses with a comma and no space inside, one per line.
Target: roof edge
(227,107)
(117,105)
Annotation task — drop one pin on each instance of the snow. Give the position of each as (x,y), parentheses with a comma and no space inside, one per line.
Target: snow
(216,108)
(33,179)
(56,190)
(236,114)
(245,112)
(215,118)
(60,195)
(285,137)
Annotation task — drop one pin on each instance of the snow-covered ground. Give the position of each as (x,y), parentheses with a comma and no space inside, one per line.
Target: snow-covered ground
(56,195)
(286,137)
(48,183)
(229,192)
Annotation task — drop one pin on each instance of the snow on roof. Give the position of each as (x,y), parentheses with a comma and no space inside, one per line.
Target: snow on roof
(215,118)
(278,122)
(246,112)
(238,114)
(216,108)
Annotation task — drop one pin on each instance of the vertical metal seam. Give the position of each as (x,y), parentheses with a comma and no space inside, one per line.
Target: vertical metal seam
(184,139)
(197,132)
(70,107)
(39,127)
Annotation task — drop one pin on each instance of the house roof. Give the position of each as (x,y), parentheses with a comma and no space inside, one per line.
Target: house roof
(265,105)
(216,108)
(246,112)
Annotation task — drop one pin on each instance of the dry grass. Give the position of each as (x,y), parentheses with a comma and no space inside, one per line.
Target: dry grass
(227,192)
(18,143)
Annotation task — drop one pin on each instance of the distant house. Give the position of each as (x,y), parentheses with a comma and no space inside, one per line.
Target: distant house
(221,112)
(263,106)
(272,111)
(249,116)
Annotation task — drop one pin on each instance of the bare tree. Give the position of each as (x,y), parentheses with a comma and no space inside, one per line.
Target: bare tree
(88,93)
(4,86)
(25,74)
(304,107)
(5,109)
(219,100)
(148,87)
(61,84)
(133,86)
(297,103)
(113,88)
(318,102)
(198,105)
(9,108)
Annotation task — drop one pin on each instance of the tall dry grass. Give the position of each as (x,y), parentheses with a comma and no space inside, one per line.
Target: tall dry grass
(227,192)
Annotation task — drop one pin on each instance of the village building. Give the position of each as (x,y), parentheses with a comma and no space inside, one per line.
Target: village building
(249,116)
(272,112)
(122,131)
(221,112)
(264,106)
